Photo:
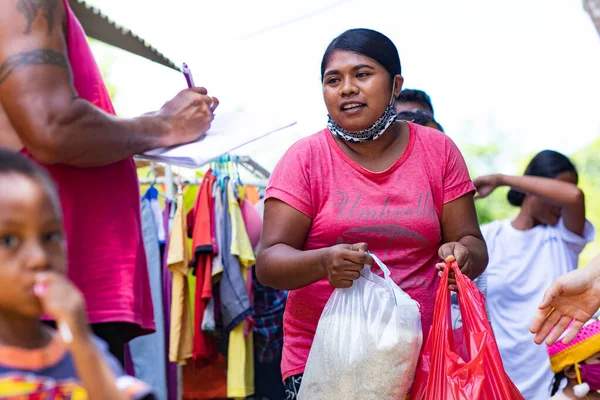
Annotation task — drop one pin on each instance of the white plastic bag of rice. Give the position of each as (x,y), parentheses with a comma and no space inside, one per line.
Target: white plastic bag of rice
(367,343)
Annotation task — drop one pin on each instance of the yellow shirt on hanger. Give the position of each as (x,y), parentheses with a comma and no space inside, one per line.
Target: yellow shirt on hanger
(240,365)
(178,260)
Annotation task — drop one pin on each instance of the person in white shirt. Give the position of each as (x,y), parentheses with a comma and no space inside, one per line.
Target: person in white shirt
(526,255)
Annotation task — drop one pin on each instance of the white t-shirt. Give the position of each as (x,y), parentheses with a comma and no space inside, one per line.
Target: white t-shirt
(560,396)
(523,264)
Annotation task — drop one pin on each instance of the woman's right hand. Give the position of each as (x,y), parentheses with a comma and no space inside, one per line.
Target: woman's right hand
(343,263)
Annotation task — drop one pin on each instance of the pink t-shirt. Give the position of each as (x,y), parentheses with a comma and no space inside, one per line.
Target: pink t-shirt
(102,217)
(397,212)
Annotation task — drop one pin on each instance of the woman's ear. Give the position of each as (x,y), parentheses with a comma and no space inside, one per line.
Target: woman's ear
(570,372)
(398,82)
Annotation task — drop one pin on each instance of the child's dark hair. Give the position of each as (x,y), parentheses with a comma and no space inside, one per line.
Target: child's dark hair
(546,164)
(558,378)
(418,117)
(415,96)
(16,163)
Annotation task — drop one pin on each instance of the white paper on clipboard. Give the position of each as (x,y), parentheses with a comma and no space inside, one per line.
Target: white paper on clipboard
(228,132)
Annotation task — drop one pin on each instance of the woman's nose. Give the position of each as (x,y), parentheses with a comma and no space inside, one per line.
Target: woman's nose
(348,88)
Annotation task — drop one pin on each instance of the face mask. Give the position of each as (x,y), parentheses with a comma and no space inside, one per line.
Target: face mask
(372,132)
(590,374)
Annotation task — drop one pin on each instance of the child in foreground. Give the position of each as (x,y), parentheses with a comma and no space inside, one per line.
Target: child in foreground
(577,364)
(35,360)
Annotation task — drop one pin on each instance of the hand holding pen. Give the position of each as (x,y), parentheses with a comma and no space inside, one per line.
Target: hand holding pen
(187,73)
(187,117)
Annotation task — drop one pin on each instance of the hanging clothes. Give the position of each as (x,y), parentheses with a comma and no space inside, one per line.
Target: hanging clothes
(252,194)
(238,256)
(235,304)
(268,305)
(148,367)
(181,343)
(152,196)
(206,383)
(205,349)
(172,386)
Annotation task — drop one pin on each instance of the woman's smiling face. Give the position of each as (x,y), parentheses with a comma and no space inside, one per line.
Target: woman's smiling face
(357,90)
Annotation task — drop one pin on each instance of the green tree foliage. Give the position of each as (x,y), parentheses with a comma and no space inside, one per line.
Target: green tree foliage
(105,58)
(482,160)
(587,161)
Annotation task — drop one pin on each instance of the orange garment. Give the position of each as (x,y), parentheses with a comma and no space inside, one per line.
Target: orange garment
(199,222)
(252,195)
(209,382)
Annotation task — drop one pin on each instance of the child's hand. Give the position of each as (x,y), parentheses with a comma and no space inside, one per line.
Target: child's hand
(62,301)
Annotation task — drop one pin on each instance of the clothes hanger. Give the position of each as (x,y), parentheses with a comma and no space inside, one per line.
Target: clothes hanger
(153,193)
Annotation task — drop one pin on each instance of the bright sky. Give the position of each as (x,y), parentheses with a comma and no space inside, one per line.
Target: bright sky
(529,70)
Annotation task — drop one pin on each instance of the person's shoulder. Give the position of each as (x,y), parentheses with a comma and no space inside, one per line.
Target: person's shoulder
(316,139)
(427,135)
(434,143)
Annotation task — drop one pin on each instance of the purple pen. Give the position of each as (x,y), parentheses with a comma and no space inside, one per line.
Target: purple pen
(188,76)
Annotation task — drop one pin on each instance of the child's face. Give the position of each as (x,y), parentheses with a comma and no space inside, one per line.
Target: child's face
(31,241)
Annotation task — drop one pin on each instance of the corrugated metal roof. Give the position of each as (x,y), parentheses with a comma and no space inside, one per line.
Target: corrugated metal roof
(99,26)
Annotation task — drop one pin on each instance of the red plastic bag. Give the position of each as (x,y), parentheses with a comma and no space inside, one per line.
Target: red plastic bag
(442,373)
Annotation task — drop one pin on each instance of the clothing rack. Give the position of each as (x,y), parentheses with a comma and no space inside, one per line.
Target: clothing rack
(171,181)
(195,182)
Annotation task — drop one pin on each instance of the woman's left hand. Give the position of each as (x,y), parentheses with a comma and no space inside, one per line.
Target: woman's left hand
(454,251)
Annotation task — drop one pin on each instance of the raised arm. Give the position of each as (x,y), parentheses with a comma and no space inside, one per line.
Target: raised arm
(56,126)
(562,194)
(281,262)
(62,301)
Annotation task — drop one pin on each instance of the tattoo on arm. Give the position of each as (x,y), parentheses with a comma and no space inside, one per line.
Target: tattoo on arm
(31,9)
(30,58)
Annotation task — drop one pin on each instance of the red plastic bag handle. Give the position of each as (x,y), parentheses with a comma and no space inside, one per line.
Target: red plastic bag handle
(470,300)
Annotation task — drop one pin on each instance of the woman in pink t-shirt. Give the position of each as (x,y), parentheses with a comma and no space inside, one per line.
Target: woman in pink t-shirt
(366,182)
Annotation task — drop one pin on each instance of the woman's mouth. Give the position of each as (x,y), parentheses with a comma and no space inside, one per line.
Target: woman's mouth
(350,107)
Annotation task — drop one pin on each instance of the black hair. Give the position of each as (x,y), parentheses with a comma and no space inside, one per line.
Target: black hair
(546,164)
(16,163)
(415,96)
(558,378)
(369,43)
(418,117)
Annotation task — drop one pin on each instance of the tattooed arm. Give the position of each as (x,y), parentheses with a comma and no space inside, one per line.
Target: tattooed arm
(56,126)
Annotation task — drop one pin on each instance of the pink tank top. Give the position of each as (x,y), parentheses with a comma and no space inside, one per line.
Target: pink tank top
(102,217)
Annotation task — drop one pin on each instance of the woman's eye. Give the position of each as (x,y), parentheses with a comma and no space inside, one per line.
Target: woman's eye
(362,74)
(9,241)
(332,81)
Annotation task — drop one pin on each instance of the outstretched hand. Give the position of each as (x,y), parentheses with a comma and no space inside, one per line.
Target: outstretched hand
(570,302)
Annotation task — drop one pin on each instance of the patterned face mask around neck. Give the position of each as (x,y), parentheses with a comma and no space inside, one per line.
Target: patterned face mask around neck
(371,133)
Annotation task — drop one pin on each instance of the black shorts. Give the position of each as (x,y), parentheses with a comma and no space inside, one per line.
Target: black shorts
(292,386)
